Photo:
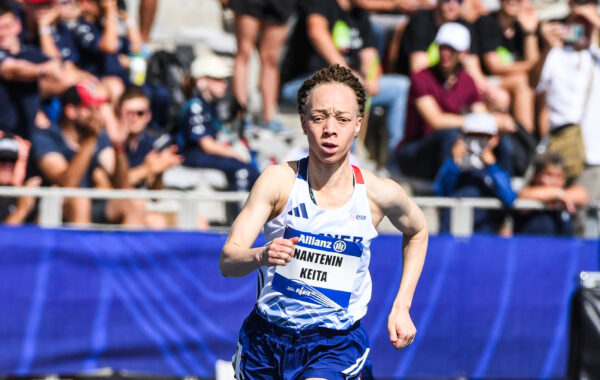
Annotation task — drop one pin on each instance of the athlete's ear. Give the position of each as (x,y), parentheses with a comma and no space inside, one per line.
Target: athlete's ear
(357,126)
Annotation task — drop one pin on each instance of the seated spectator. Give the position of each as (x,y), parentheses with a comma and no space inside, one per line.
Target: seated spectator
(14,210)
(339,32)
(148,156)
(97,38)
(439,96)
(418,49)
(549,185)
(21,68)
(198,127)
(472,171)
(78,153)
(509,49)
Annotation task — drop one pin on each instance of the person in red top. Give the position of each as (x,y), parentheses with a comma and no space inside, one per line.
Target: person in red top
(439,97)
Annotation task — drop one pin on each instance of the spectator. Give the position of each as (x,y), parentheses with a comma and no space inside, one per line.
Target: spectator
(21,67)
(267,17)
(97,38)
(438,98)
(509,49)
(46,31)
(419,51)
(70,11)
(78,153)
(339,32)
(549,185)
(472,171)
(147,11)
(14,210)
(570,81)
(199,125)
(148,156)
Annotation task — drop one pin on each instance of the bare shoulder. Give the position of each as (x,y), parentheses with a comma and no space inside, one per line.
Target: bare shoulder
(388,199)
(384,192)
(274,186)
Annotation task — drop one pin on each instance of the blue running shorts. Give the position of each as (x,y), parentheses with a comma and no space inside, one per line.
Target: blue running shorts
(267,351)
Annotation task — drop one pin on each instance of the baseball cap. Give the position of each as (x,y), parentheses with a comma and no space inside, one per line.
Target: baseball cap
(85,94)
(455,35)
(481,123)
(9,149)
(210,65)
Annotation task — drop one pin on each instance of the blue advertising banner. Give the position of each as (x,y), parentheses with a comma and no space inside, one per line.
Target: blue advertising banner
(156,303)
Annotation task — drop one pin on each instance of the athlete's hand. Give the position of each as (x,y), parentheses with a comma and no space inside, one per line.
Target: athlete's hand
(401,328)
(279,251)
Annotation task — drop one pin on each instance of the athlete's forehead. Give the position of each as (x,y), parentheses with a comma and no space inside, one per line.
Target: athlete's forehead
(333,98)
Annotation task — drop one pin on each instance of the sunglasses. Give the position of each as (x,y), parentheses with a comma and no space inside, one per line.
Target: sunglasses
(138,113)
(448,1)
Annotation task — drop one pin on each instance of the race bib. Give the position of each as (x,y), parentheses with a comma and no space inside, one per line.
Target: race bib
(322,270)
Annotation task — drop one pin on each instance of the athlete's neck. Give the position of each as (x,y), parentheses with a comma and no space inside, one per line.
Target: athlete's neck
(328,176)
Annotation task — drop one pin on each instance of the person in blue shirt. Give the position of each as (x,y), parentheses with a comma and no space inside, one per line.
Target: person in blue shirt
(79,153)
(198,125)
(149,155)
(24,73)
(99,44)
(472,172)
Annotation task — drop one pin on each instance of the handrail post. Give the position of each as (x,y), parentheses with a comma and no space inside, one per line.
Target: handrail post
(461,219)
(187,219)
(51,210)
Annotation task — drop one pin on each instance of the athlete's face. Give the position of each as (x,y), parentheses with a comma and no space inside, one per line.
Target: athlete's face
(331,121)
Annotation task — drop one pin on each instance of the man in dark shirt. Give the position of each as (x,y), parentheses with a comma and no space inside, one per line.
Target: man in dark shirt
(14,210)
(78,153)
(21,68)
(418,49)
(508,47)
(339,31)
(439,96)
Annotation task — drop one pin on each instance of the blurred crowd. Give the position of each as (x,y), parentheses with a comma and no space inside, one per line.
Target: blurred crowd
(472,99)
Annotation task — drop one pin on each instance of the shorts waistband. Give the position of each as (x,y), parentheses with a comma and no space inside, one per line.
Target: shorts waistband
(256,318)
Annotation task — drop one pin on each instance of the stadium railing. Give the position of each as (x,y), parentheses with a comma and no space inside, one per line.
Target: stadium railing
(186,205)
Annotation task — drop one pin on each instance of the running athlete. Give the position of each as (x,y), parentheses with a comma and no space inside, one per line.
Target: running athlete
(319,216)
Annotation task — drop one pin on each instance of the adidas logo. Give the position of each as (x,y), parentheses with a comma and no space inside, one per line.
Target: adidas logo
(299,211)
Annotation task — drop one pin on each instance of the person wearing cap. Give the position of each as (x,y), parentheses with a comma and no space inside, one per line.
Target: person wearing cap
(199,124)
(339,32)
(509,49)
(472,172)
(418,49)
(438,99)
(79,153)
(14,151)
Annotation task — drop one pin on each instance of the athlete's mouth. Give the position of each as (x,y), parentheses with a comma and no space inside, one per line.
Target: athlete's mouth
(329,144)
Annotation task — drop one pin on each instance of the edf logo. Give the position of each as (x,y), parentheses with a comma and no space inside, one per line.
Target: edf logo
(339,246)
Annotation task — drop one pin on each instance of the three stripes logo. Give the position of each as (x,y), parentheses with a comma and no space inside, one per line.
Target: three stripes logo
(299,211)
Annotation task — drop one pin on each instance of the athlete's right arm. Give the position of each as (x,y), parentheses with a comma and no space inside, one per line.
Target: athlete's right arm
(267,198)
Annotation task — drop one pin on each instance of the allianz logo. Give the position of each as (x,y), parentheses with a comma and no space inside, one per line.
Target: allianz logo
(338,246)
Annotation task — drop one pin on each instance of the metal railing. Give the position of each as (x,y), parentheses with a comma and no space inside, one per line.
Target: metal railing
(188,207)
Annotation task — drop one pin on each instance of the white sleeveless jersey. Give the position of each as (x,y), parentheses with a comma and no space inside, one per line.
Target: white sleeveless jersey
(327,282)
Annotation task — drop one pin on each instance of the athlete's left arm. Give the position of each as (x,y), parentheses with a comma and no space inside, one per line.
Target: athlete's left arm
(389,199)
